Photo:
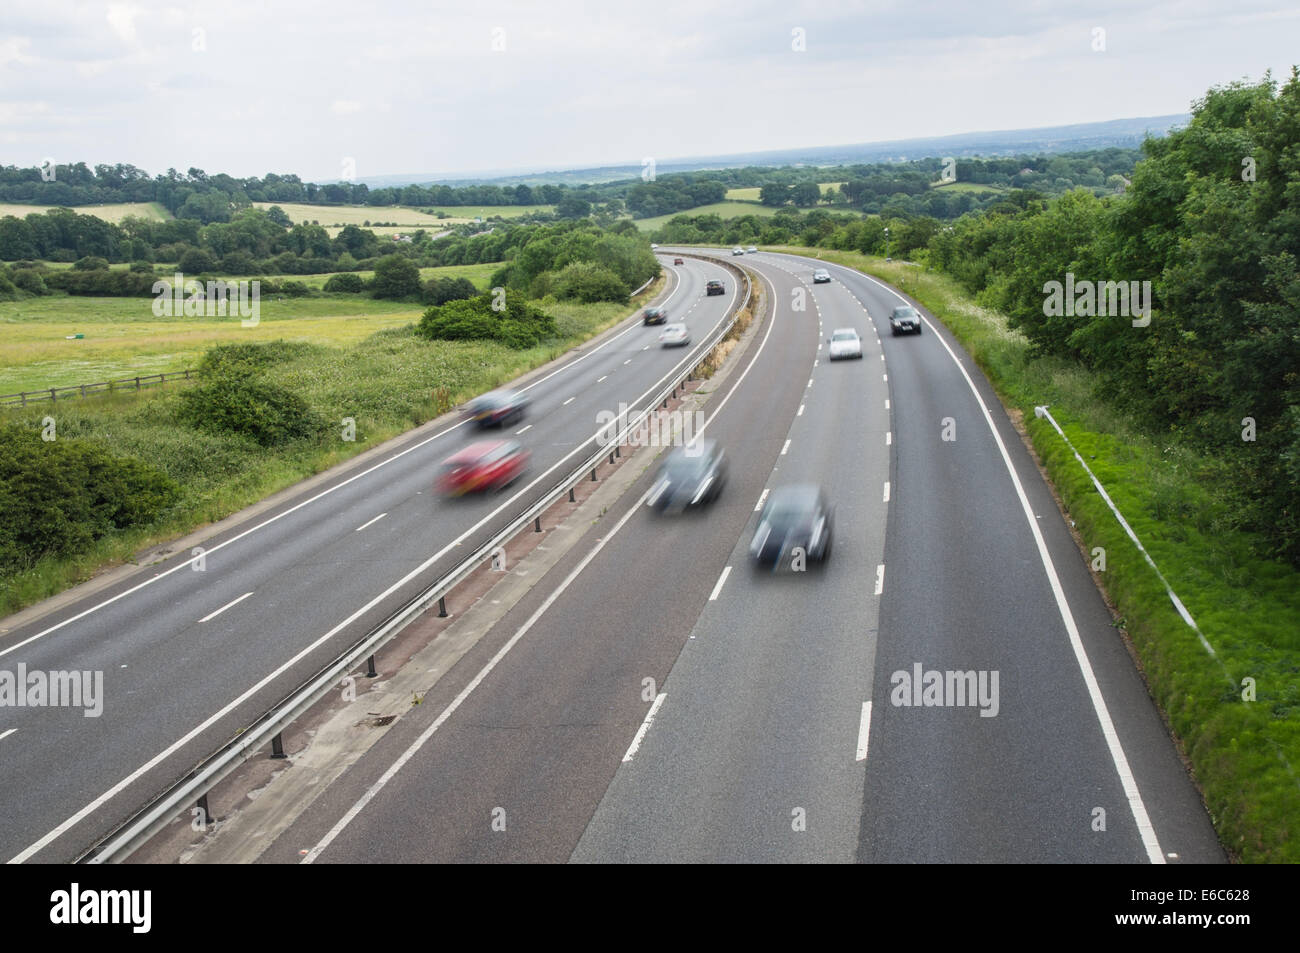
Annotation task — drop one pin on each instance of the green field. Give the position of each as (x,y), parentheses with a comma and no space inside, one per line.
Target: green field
(721,209)
(966,187)
(123,337)
(335,217)
(751,194)
(110,213)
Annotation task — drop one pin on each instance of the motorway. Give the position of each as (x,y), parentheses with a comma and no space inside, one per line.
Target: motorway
(653,698)
(193,650)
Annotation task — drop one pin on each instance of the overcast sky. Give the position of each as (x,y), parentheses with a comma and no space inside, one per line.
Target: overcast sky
(474,86)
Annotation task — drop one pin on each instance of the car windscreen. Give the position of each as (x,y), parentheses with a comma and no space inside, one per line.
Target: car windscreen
(844,336)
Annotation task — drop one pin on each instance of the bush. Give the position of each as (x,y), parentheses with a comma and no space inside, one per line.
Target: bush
(347,281)
(441,290)
(588,282)
(244,359)
(519,325)
(91,263)
(58,497)
(396,277)
(30,280)
(8,291)
(268,413)
(141,268)
(196,261)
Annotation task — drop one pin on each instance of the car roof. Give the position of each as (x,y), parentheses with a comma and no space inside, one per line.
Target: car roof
(476,451)
(844,331)
(796,493)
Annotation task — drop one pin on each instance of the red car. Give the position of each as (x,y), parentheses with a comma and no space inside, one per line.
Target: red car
(482,466)
(679,261)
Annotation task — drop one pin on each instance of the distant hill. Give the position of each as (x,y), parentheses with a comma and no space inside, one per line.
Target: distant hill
(1124,133)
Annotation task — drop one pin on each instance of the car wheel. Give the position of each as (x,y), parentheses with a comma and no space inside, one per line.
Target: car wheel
(918,329)
(894,332)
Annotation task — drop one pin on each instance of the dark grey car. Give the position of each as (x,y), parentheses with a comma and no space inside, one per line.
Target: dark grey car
(794,517)
(693,475)
(905,319)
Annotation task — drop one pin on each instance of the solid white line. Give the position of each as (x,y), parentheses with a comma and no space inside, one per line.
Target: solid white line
(523,428)
(569,401)
(645,726)
(213,615)
(51,836)
(886,499)
(889,437)
(718,586)
(786,448)
(6,734)
(367,523)
(761,497)
(1149,840)
(800,413)
(459,700)
(864,731)
(880,579)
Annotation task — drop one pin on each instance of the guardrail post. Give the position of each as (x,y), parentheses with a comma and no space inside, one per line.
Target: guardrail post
(537,524)
(593,474)
(442,607)
(618,451)
(571,499)
(202,805)
(370,667)
(277,746)
(611,462)
(666,399)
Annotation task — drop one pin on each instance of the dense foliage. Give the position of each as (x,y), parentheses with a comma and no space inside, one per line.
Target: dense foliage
(513,322)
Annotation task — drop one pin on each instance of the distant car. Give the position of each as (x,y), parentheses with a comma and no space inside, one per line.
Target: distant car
(693,475)
(845,344)
(486,465)
(821,276)
(496,408)
(751,250)
(679,261)
(905,318)
(653,246)
(794,517)
(674,335)
(738,250)
(715,287)
(656,314)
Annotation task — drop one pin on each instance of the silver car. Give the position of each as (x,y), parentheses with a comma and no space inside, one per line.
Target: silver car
(821,276)
(845,344)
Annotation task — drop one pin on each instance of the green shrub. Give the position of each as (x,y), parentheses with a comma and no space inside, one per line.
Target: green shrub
(441,290)
(268,413)
(518,325)
(347,281)
(588,282)
(8,290)
(245,359)
(58,497)
(396,277)
(30,280)
(91,263)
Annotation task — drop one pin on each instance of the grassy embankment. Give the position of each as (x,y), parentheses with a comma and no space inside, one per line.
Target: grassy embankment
(1244,753)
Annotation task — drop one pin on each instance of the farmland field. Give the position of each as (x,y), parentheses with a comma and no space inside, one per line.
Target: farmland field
(722,209)
(334,217)
(966,187)
(110,213)
(751,194)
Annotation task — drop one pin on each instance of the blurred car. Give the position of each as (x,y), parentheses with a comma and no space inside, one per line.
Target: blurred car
(905,318)
(653,246)
(715,287)
(845,344)
(482,466)
(693,475)
(496,408)
(656,314)
(794,516)
(751,250)
(821,276)
(674,335)
(679,261)
(738,250)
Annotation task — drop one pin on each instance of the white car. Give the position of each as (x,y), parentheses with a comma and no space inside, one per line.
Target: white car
(674,335)
(751,250)
(653,246)
(738,250)
(821,276)
(845,344)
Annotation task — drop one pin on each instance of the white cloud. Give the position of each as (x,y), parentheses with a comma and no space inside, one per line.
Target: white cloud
(121,17)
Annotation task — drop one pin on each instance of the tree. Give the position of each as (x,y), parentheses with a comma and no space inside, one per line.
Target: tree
(573,206)
(396,277)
